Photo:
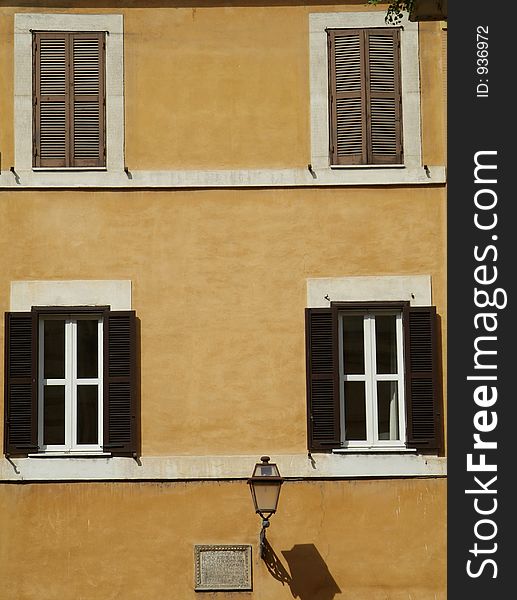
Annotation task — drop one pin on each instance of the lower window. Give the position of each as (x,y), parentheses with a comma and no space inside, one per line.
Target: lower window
(371,378)
(70,383)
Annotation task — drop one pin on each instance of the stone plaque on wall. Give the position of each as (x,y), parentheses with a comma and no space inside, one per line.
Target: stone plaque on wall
(223,568)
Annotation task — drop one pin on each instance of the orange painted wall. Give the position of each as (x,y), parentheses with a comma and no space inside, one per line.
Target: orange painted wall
(354,540)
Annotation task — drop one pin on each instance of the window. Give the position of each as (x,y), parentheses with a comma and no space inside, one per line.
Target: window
(68,95)
(71,381)
(371,380)
(364,96)
(372,376)
(68,88)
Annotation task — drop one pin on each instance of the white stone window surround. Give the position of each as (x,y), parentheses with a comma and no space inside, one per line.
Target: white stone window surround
(411,129)
(89,292)
(416,289)
(24,24)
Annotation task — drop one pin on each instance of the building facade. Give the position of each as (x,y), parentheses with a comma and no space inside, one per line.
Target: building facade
(222,236)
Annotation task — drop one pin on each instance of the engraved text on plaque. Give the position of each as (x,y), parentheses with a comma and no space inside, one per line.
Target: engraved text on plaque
(223,567)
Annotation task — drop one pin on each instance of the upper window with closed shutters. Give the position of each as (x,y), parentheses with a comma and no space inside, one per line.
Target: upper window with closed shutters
(365,97)
(69,99)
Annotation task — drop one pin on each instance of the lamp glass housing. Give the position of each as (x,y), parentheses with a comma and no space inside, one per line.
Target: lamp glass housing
(265,484)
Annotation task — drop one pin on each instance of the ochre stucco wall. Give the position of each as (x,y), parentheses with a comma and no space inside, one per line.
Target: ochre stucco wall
(219,286)
(355,540)
(213,86)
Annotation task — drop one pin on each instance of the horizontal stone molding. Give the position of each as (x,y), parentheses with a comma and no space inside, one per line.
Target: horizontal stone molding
(241,178)
(185,468)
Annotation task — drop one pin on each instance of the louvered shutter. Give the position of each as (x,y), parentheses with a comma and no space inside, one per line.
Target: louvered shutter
(69,98)
(323,401)
(365,96)
(384,116)
(347,97)
(21,411)
(423,402)
(51,100)
(120,383)
(87,99)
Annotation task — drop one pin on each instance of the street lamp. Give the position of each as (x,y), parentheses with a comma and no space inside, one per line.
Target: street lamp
(265,484)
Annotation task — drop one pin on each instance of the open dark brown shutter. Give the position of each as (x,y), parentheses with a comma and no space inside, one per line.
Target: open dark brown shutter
(21,410)
(323,402)
(383,99)
(423,401)
(50,100)
(87,99)
(347,97)
(120,383)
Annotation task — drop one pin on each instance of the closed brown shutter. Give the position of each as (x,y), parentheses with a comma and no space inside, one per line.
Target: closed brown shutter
(383,98)
(323,402)
(423,402)
(21,411)
(87,110)
(51,100)
(69,99)
(365,96)
(120,383)
(347,97)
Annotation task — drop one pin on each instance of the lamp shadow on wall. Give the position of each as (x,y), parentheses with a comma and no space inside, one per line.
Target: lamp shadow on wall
(308,577)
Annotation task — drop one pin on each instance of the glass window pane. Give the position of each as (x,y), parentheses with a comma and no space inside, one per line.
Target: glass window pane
(386,343)
(87,414)
(87,348)
(355,411)
(388,410)
(353,344)
(54,414)
(54,348)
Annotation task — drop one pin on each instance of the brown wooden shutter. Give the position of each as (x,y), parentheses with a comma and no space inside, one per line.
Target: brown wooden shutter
(323,401)
(87,100)
(347,97)
(365,96)
(51,100)
(69,99)
(423,398)
(384,102)
(120,383)
(21,410)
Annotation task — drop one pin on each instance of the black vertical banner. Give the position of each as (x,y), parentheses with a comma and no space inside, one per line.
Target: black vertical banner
(482,268)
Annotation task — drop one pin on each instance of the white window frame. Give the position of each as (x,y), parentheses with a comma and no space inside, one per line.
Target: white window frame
(370,379)
(70,382)
(410,89)
(24,24)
